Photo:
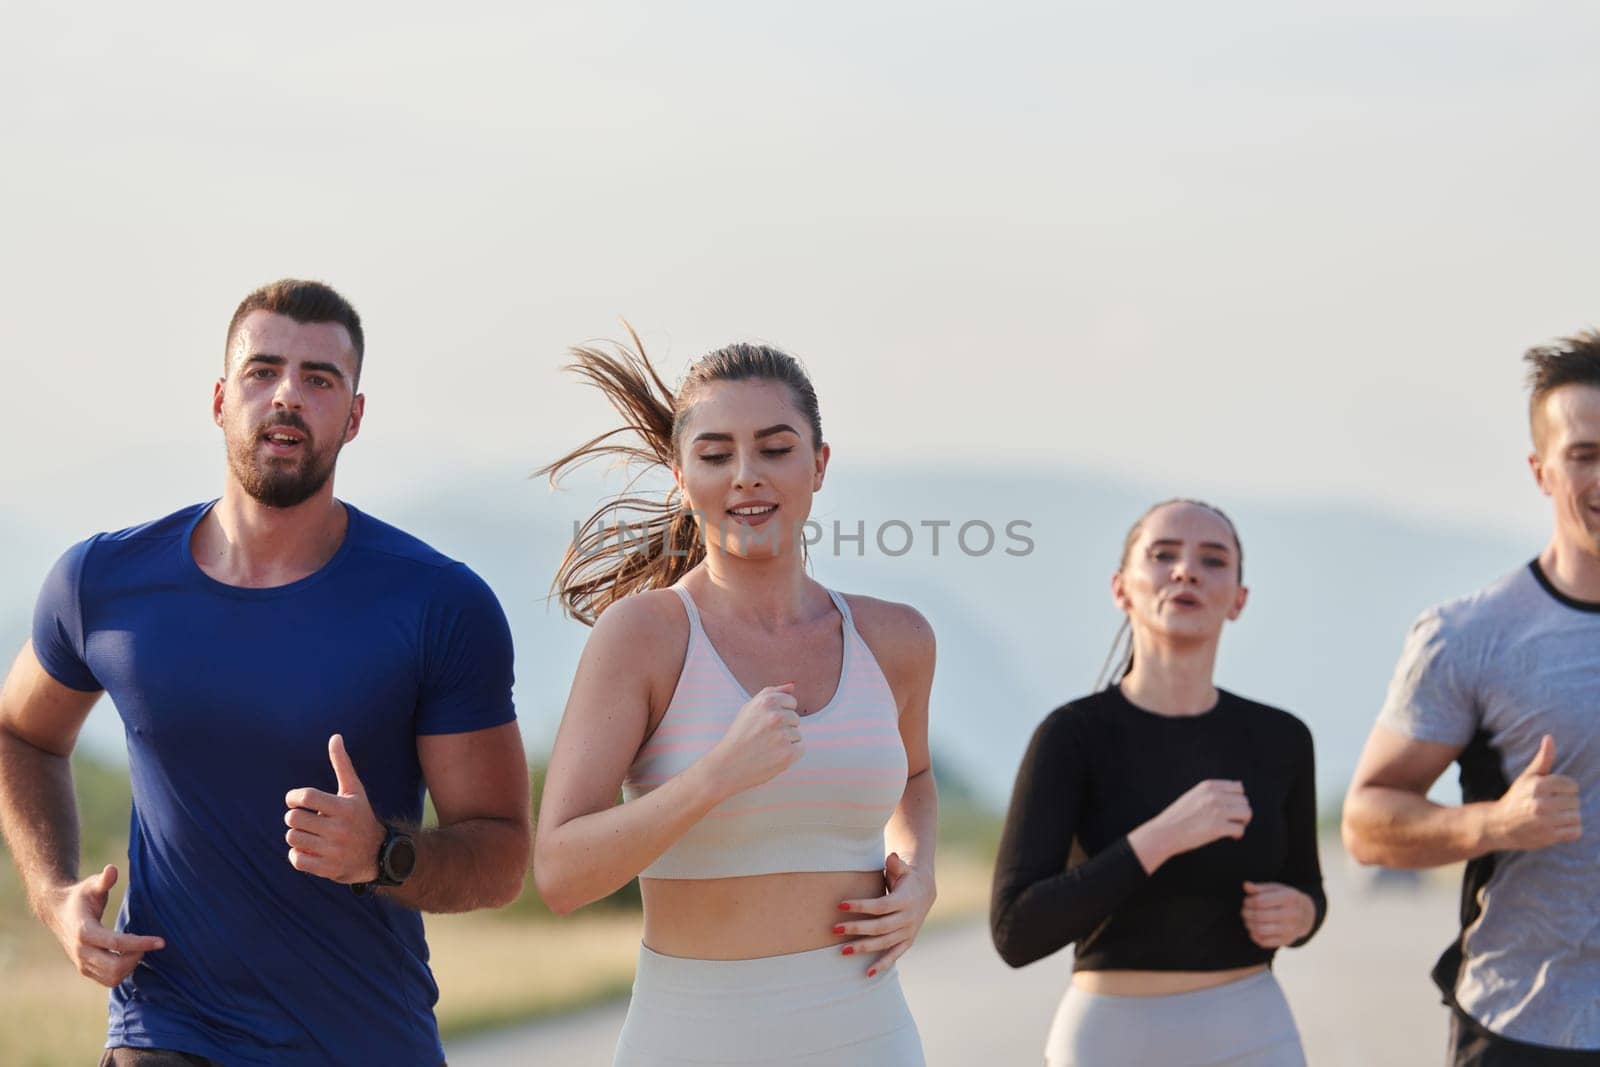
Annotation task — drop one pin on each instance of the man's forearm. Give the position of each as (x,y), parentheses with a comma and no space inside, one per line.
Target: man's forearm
(1399,828)
(39,816)
(475,863)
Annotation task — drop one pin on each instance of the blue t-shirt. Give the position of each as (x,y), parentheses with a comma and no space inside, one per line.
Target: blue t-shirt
(228,696)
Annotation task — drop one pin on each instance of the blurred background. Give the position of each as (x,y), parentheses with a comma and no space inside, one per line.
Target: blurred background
(1047,264)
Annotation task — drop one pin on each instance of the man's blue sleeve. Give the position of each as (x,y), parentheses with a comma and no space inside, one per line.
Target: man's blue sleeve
(58,622)
(467,668)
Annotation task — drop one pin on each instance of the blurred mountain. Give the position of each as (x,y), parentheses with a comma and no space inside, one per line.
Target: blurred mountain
(1333,590)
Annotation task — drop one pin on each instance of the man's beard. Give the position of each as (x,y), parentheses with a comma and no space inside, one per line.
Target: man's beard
(275,483)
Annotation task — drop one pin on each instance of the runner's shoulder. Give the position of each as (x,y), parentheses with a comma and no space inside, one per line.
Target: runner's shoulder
(1482,612)
(900,637)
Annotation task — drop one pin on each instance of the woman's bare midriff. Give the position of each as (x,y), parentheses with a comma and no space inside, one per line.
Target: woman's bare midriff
(1158,983)
(750,917)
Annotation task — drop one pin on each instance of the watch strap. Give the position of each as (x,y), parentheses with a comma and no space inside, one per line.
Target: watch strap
(384,877)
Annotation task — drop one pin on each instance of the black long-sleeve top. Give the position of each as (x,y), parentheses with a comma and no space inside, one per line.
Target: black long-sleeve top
(1098,768)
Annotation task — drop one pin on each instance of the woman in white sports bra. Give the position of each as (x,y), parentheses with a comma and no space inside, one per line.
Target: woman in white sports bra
(769,736)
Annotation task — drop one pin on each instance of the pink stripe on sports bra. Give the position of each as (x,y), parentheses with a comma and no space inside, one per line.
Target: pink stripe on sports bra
(825,813)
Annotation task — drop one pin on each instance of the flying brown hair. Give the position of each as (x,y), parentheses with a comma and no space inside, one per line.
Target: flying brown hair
(635,541)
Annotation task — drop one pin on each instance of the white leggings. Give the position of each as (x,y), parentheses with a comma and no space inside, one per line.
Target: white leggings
(805,1009)
(1242,1024)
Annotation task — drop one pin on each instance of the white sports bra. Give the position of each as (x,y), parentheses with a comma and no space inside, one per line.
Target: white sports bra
(826,812)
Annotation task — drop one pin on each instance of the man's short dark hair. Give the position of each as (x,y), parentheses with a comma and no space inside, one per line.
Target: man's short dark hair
(303,302)
(1572,360)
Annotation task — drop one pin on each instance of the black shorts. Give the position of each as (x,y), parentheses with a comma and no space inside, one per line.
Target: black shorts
(1474,1045)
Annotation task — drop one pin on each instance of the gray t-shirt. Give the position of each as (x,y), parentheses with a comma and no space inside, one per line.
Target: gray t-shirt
(1514,662)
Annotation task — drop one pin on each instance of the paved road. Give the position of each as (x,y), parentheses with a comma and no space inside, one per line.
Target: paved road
(1359,991)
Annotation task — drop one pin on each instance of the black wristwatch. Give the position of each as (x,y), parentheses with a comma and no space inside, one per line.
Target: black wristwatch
(397,858)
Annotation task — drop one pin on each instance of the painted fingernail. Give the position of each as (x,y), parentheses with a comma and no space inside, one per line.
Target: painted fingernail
(839,929)
(871,971)
(844,907)
(847,950)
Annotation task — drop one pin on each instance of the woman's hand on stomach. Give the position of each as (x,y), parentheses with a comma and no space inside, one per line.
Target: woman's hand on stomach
(752,916)
(896,916)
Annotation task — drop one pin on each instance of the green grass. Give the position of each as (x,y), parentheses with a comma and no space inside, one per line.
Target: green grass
(493,967)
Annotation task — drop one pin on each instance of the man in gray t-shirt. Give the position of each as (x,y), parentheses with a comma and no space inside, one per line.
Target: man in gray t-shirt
(1507,683)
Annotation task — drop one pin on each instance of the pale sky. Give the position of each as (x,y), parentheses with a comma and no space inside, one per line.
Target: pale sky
(1285,250)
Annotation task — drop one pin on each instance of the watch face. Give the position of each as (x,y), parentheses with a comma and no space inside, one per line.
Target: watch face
(399,858)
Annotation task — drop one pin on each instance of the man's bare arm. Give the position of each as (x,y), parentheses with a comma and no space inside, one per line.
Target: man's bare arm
(477,857)
(39,723)
(1389,820)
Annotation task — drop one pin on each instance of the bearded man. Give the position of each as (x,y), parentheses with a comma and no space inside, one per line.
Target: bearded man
(292,676)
